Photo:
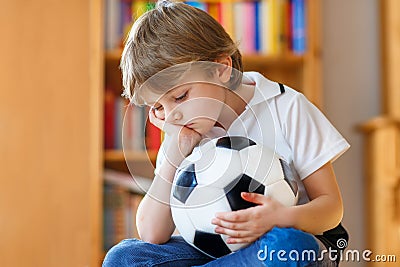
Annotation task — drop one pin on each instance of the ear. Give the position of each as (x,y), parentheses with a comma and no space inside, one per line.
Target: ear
(224,71)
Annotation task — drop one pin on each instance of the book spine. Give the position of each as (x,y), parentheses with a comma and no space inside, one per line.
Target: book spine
(289,23)
(258,26)
(298,18)
(249,34)
(214,10)
(264,21)
(227,20)
(280,25)
(238,24)
(112,19)
(118,121)
(198,4)
(109,109)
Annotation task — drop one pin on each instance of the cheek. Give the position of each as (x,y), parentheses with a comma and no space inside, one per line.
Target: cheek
(205,108)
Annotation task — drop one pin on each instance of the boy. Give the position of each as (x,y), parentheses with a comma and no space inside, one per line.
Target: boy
(181,62)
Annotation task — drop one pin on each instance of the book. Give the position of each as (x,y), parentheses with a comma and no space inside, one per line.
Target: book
(109,108)
(133,136)
(263,26)
(153,137)
(119,214)
(119,112)
(214,9)
(298,26)
(198,4)
(112,24)
(249,29)
(226,18)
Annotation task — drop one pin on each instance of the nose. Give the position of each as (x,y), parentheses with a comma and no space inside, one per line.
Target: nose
(175,116)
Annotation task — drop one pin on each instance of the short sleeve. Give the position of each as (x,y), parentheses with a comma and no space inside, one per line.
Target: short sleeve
(313,140)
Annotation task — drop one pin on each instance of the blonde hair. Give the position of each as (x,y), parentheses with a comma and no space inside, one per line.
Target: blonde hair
(173,33)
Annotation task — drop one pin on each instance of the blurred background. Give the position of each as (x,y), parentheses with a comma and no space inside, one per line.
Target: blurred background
(65,191)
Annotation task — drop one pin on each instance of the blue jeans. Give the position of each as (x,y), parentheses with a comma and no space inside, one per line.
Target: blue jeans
(278,247)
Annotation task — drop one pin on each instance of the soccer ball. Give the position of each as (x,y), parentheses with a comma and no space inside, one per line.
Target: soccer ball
(211,179)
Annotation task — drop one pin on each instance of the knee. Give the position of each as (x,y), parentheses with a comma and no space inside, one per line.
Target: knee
(122,253)
(289,239)
(283,246)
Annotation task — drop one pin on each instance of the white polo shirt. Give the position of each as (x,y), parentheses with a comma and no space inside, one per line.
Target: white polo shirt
(285,121)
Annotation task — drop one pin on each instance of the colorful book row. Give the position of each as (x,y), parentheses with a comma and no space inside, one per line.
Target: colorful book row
(119,214)
(264,26)
(126,126)
(119,16)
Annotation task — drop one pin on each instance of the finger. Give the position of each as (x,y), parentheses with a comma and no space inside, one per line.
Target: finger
(255,198)
(233,216)
(235,237)
(233,240)
(239,234)
(231,225)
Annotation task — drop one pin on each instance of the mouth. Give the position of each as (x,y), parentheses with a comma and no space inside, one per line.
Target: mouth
(189,125)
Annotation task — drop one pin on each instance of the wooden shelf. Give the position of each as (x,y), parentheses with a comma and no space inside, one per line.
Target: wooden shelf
(120,156)
(378,123)
(259,60)
(285,59)
(286,68)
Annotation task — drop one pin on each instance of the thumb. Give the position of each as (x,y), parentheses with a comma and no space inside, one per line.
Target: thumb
(254,197)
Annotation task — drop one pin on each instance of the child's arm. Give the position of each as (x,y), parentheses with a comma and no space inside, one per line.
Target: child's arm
(153,218)
(323,212)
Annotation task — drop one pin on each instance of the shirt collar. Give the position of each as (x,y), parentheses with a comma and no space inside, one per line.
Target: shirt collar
(264,88)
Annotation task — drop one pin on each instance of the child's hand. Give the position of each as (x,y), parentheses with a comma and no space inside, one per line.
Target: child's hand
(246,226)
(181,139)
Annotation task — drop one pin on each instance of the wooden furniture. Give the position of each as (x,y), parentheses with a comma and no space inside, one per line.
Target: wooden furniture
(382,146)
(382,194)
(51,115)
(50,133)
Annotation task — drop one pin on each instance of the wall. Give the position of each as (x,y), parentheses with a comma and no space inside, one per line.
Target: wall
(351,76)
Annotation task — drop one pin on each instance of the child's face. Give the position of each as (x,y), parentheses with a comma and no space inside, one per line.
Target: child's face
(195,105)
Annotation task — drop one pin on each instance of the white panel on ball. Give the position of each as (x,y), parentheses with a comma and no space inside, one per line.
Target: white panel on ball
(182,221)
(227,163)
(261,164)
(281,192)
(202,215)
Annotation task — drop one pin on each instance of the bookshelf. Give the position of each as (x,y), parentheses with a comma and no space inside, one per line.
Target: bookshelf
(300,70)
(382,145)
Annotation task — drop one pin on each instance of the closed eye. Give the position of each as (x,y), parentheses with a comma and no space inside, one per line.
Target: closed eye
(181,97)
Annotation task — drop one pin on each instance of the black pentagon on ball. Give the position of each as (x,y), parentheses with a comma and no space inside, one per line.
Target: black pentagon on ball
(241,184)
(185,183)
(235,142)
(211,244)
(289,176)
